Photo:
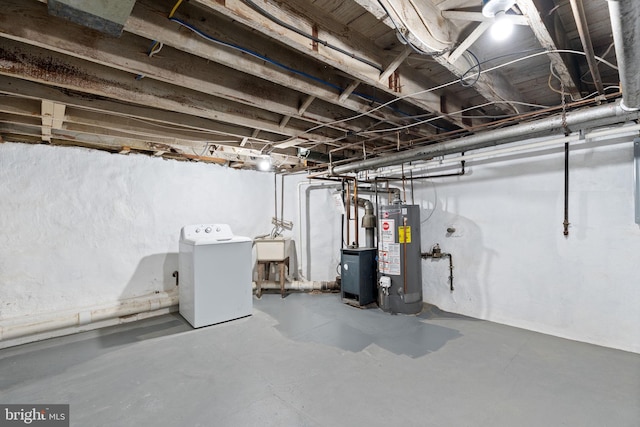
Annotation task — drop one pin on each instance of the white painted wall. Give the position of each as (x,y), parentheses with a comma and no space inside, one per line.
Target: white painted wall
(79,228)
(512,263)
(82,228)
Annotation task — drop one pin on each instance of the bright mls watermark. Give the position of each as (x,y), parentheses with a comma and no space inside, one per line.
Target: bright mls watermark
(34,415)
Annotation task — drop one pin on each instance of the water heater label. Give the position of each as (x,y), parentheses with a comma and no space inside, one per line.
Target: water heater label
(387,231)
(404,234)
(390,259)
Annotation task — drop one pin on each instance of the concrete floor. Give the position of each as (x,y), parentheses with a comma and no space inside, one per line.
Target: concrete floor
(309,360)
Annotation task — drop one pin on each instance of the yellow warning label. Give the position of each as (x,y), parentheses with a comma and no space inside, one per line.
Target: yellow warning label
(404,234)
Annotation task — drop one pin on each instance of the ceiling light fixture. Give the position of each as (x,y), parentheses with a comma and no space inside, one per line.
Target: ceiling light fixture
(502,27)
(264,164)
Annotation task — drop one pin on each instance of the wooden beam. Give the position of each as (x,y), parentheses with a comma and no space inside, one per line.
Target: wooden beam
(149,20)
(462,15)
(284,121)
(58,115)
(305,104)
(124,145)
(20,106)
(49,68)
(583,30)
(530,10)
(147,131)
(349,90)
(393,66)
(492,87)
(161,118)
(47,120)
(420,23)
(336,34)
(471,39)
(451,4)
(32,25)
(52,118)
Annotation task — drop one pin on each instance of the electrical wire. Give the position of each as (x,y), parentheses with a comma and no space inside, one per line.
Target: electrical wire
(435,202)
(276,63)
(411,32)
(311,36)
(444,85)
(254,54)
(577,52)
(552,73)
(426,25)
(206,147)
(452,114)
(604,55)
(283,66)
(403,39)
(156,47)
(506,55)
(463,76)
(339,89)
(175,7)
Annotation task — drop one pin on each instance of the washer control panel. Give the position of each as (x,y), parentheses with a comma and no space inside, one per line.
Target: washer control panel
(209,232)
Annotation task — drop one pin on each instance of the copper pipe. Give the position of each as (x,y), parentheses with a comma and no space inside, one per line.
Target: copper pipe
(404,223)
(348,211)
(355,197)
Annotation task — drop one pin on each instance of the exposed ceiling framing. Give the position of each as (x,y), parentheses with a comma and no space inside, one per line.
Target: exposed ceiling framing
(234,81)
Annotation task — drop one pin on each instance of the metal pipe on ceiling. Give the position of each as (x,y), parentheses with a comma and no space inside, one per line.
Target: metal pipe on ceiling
(625,16)
(604,115)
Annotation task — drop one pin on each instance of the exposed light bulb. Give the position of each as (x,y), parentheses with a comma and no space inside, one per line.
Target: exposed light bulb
(502,27)
(264,164)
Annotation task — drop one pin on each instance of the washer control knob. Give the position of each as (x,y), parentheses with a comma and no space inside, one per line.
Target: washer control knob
(207,230)
(218,229)
(197,230)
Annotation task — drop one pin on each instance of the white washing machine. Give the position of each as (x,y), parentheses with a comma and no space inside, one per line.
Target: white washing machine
(215,275)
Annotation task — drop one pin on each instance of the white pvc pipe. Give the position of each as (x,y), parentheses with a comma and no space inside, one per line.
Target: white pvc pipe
(606,114)
(603,133)
(624,16)
(303,244)
(30,325)
(299,285)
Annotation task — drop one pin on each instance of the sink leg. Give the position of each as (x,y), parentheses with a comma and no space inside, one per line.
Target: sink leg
(282,279)
(260,279)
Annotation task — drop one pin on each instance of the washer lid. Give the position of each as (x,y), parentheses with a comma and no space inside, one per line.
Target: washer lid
(199,234)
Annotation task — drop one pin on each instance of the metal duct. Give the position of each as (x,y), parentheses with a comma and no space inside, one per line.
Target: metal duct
(604,115)
(105,16)
(625,18)
(368,222)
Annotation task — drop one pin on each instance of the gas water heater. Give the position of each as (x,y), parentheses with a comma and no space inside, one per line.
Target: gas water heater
(399,259)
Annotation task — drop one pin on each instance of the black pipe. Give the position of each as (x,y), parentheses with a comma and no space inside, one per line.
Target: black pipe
(437,254)
(450,270)
(342,216)
(413,202)
(416,178)
(176,274)
(566,189)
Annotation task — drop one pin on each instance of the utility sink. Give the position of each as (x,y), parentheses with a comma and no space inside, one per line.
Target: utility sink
(272,249)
